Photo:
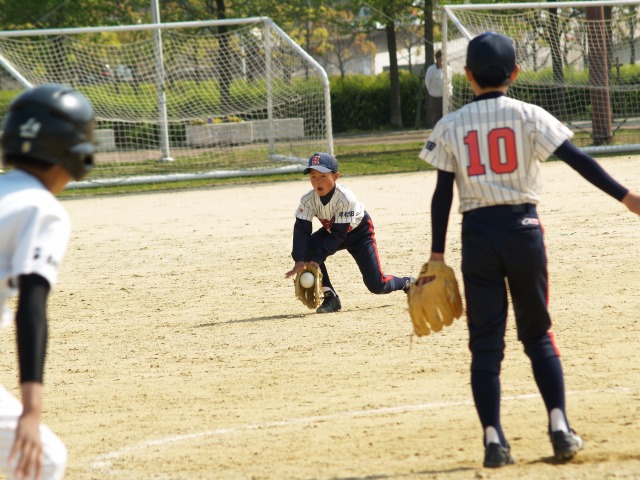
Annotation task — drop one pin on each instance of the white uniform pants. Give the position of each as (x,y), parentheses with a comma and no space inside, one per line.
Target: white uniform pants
(55,453)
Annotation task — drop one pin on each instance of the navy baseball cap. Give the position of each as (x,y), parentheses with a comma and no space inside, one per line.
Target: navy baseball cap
(323,163)
(491,54)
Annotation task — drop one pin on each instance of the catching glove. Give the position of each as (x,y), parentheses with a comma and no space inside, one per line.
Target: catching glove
(434,300)
(310,296)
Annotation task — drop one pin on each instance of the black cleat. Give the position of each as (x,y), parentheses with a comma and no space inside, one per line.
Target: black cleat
(407,284)
(566,444)
(330,304)
(495,455)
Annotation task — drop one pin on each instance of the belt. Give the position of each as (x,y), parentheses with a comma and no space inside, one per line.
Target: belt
(520,208)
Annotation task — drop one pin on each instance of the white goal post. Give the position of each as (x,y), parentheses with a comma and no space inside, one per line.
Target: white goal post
(185,100)
(579,60)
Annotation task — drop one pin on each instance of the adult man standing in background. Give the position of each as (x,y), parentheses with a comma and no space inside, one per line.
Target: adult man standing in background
(434,80)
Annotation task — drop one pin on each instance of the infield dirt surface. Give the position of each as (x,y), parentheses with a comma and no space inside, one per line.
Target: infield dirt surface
(177,349)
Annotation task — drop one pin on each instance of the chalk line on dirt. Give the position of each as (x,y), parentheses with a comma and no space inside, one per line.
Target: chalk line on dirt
(104,462)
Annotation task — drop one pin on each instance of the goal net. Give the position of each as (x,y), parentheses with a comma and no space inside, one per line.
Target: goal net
(578,60)
(183,100)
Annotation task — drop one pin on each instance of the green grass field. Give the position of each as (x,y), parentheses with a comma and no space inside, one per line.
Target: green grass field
(355,159)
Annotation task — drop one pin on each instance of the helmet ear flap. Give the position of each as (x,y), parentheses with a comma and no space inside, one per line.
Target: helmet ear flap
(84,162)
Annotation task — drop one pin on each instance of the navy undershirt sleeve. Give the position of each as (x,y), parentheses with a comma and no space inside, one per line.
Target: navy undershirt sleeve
(331,243)
(589,169)
(301,233)
(31,326)
(440,209)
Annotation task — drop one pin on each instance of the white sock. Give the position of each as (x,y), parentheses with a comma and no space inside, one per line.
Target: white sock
(327,289)
(558,421)
(491,436)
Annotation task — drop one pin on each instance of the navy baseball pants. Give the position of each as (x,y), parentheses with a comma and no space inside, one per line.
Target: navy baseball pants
(503,248)
(361,244)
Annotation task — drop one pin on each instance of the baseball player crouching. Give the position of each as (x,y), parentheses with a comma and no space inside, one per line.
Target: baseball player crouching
(346,225)
(48,138)
(492,149)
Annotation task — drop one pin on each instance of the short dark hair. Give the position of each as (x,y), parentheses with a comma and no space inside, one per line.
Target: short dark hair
(488,81)
(439,54)
(19,161)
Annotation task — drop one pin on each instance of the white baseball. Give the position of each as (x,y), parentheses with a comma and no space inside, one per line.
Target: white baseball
(307,280)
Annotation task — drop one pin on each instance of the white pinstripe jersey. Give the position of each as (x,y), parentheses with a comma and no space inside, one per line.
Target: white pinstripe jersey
(495,146)
(34,231)
(343,207)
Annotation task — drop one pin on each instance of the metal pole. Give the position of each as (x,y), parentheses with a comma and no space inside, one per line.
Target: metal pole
(445,59)
(162,99)
(269,72)
(323,75)
(14,72)
(554,4)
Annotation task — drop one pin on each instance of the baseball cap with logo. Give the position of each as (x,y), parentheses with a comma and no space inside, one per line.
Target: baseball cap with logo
(492,55)
(323,163)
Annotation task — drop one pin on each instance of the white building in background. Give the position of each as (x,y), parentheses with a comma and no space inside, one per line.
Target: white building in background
(378,62)
(408,58)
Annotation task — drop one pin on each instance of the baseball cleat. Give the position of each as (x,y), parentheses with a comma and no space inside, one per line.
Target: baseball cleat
(495,455)
(407,284)
(566,444)
(330,304)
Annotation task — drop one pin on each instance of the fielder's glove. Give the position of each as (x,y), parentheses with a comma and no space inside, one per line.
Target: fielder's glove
(437,301)
(312,296)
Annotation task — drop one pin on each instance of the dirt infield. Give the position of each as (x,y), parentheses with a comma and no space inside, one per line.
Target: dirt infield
(178,350)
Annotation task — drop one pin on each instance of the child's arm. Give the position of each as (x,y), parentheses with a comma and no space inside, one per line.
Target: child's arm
(632,202)
(590,170)
(331,243)
(593,172)
(440,209)
(301,233)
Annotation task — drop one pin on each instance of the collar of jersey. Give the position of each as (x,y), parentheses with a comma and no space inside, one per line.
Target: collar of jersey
(487,95)
(327,198)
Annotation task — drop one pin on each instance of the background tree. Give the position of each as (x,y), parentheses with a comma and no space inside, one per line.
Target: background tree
(386,13)
(347,39)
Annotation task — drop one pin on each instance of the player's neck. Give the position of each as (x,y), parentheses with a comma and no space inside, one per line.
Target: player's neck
(481,91)
(53,179)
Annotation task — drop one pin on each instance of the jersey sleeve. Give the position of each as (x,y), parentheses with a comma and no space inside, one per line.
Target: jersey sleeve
(41,243)
(306,210)
(435,150)
(548,133)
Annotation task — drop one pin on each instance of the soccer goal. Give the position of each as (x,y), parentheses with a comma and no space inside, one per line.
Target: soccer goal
(579,60)
(188,100)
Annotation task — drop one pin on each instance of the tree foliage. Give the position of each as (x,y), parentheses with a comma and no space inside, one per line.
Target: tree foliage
(44,14)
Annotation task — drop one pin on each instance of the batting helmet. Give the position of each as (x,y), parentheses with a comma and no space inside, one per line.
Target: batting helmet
(52,124)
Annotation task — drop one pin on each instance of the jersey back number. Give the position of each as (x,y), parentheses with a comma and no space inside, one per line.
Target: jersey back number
(498,162)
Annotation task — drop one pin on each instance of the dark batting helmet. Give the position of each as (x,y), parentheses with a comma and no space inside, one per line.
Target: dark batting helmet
(51,124)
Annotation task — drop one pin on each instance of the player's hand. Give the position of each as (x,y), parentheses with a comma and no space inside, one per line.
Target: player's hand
(299,266)
(435,257)
(632,202)
(434,299)
(26,452)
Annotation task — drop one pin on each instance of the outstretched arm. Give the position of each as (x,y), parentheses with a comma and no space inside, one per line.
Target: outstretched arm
(595,174)
(590,169)
(632,202)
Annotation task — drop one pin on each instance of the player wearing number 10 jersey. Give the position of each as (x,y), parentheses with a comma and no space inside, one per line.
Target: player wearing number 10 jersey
(492,149)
